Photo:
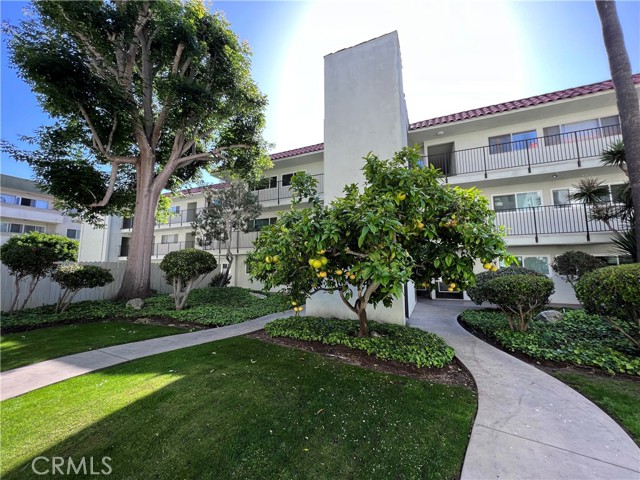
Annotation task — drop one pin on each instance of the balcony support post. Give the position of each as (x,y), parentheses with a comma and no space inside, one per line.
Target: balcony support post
(484,161)
(575,139)
(528,157)
(535,223)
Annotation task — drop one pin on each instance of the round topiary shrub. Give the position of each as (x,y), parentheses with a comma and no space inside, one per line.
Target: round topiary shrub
(477,293)
(572,265)
(519,296)
(183,267)
(614,293)
(73,278)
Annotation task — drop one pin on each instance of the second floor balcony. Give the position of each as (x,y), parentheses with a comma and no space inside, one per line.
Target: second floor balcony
(576,146)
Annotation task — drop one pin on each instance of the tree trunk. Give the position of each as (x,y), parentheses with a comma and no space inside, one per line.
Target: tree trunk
(626,98)
(229,256)
(362,318)
(136,282)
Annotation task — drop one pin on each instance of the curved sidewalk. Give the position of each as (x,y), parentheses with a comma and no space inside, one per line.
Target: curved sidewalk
(25,379)
(529,425)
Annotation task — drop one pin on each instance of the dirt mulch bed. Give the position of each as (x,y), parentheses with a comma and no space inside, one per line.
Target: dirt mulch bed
(454,374)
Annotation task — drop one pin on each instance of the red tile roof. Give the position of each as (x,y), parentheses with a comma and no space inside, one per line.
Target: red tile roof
(517,104)
(481,112)
(318,147)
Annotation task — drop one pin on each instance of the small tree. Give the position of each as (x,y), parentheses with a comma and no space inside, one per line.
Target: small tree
(231,207)
(478,293)
(405,225)
(519,296)
(34,255)
(572,265)
(73,278)
(182,268)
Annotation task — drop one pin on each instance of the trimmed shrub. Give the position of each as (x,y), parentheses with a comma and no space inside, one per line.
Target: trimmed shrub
(519,296)
(572,265)
(182,268)
(35,255)
(73,278)
(614,293)
(394,342)
(477,293)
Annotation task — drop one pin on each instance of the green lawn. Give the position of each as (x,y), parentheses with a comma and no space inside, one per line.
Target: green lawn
(25,348)
(619,397)
(241,408)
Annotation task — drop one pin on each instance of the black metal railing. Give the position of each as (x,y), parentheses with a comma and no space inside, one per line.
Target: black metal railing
(277,192)
(556,220)
(573,146)
(188,216)
(239,240)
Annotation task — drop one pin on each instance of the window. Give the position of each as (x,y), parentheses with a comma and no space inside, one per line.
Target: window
(266,183)
(606,126)
(42,204)
(73,233)
(15,228)
(169,238)
(260,223)
(33,228)
(513,141)
(4,227)
(562,196)
(5,198)
(247,270)
(286,178)
(616,260)
(175,209)
(537,264)
(516,200)
(225,267)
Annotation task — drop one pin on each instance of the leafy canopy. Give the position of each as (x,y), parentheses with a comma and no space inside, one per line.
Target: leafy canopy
(405,225)
(165,81)
(35,254)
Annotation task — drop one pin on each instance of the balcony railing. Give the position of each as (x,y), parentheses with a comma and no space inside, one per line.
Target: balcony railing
(186,217)
(555,220)
(573,146)
(279,192)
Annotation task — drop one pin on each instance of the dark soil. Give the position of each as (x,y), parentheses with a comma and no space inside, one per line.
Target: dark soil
(454,374)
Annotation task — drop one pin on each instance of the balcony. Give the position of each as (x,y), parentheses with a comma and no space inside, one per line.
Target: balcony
(277,192)
(555,220)
(269,196)
(574,146)
(239,240)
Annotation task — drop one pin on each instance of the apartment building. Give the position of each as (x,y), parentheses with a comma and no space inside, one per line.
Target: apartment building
(525,155)
(24,208)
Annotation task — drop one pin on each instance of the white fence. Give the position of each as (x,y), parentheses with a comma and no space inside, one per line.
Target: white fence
(48,291)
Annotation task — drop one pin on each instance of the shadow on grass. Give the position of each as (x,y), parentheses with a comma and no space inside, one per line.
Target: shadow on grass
(240,408)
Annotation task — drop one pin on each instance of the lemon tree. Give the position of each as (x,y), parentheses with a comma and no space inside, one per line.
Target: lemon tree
(405,224)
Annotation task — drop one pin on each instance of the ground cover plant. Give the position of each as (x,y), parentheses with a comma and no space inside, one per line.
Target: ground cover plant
(242,408)
(212,307)
(25,348)
(389,342)
(579,338)
(617,396)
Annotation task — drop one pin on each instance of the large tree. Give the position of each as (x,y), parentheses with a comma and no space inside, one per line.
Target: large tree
(146,95)
(365,246)
(231,207)
(627,99)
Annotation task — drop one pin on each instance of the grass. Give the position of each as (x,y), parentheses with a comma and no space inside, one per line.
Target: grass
(617,396)
(241,408)
(26,348)
(212,307)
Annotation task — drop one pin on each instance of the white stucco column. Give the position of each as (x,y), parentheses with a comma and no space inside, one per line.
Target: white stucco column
(365,111)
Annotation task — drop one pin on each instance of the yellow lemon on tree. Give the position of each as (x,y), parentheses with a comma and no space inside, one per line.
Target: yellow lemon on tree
(322,274)
(338,272)
(453,285)
(420,225)
(494,268)
(487,266)
(267,259)
(317,264)
(311,262)
(401,196)
(275,259)
(352,277)
(294,303)
(320,252)
(450,289)
(324,260)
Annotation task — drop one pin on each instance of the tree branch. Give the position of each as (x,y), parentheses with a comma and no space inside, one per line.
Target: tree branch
(346,302)
(112,184)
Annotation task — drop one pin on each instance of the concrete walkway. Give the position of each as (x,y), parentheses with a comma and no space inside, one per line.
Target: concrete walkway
(25,379)
(529,425)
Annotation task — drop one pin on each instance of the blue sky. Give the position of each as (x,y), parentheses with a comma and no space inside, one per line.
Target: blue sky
(456,55)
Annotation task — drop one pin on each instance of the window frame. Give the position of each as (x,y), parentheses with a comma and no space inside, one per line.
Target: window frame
(166,235)
(515,194)
(521,258)
(513,145)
